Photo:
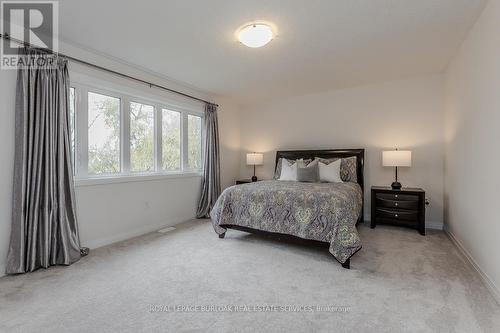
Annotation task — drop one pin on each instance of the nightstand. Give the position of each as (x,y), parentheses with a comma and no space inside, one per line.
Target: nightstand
(404,207)
(243,181)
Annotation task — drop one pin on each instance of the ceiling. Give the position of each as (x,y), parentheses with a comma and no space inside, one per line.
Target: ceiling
(321,44)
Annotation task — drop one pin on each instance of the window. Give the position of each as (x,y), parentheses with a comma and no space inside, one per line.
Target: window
(171,140)
(194,142)
(121,135)
(103,134)
(142,122)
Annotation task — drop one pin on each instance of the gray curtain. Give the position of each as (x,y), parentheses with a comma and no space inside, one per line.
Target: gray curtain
(210,184)
(44,227)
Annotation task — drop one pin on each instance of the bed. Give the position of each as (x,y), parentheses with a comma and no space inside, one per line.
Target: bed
(324,214)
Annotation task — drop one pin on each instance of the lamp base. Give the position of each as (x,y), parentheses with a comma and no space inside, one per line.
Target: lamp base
(254,178)
(396,185)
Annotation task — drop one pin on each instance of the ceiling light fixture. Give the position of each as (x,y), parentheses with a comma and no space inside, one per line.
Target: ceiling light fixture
(255,35)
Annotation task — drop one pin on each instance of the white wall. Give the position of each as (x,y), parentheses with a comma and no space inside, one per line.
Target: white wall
(112,212)
(229,132)
(407,114)
(472,145)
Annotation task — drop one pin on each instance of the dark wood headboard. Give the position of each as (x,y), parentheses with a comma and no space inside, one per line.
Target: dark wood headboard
(329,153)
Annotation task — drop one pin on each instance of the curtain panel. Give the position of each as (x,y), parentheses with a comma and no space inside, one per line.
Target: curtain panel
(210,184)
(44,224)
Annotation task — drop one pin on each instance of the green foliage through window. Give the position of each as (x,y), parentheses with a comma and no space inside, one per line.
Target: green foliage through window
(178,135)
(103,134)
(142,120)
(194,142)
(171,140)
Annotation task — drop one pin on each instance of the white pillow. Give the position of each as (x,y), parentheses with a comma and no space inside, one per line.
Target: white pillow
(288,171)
(330,172)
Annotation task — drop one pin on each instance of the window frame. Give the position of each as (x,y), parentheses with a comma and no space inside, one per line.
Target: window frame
(72,130)
(82,177)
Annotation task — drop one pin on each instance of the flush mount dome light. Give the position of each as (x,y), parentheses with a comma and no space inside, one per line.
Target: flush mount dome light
(255,35)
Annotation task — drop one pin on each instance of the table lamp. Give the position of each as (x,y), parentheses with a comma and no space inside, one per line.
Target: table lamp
(396,158)
(255,159)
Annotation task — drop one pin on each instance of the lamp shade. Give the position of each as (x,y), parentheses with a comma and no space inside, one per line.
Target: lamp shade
(396,158)
(255,159)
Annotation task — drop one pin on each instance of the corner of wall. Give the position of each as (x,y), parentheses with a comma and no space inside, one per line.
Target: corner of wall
(490,285)
(230,140)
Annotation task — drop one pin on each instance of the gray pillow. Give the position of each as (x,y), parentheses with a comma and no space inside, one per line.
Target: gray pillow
(277,172)
(308,174)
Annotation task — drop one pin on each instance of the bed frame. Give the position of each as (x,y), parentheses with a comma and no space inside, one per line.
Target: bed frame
(311,154)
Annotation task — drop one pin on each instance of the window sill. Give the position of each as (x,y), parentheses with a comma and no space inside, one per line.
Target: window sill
(103,180)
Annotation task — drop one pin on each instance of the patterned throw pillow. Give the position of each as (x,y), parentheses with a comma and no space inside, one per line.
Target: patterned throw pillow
(277,172)
(348,171)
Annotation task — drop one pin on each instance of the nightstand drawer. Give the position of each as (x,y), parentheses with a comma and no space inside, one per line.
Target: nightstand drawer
(397,214)
(397,197)
(400,204)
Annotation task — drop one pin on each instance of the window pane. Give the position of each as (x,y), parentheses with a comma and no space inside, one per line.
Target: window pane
(142,122)
(72,125)
(104,134)
(194,142)
(171,140)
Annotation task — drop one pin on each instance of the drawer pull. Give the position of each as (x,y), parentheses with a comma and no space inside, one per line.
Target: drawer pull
(396,196)
(408,215)
(393,203)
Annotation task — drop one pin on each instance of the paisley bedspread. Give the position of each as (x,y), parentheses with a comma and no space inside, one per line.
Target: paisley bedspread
(325,212)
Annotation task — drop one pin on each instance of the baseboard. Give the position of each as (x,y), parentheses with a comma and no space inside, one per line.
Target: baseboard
(434,225)
(94,244)
(495,291)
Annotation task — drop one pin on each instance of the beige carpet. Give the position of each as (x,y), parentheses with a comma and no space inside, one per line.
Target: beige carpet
(400,281)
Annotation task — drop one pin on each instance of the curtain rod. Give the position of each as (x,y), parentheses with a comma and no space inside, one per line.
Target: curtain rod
(83,62)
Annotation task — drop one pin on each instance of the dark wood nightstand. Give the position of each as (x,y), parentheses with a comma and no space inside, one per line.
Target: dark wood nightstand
(243,181)
(405,207)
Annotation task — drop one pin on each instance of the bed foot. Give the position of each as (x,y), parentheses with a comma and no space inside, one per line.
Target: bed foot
(347,264)
(222,235)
